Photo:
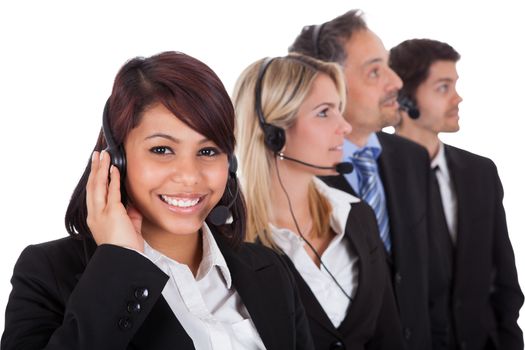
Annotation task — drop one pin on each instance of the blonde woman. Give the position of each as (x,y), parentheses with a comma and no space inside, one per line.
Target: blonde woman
(290,129)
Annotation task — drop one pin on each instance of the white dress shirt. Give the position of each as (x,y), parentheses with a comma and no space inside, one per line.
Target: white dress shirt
(338,257)
(208,307)
(448,194)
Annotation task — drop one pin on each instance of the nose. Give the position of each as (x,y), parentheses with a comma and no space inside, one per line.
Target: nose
(394,81)
(459,99)
(186,171)
(344,127)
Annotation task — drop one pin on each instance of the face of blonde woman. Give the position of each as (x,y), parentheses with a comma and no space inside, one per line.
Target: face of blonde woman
(318,133)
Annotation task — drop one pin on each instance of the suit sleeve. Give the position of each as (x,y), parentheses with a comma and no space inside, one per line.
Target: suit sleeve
(100,313)
(506,297)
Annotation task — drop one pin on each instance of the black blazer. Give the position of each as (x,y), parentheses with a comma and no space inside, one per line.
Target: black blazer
(404,168)
(485,293)
(60,301)
(371,321)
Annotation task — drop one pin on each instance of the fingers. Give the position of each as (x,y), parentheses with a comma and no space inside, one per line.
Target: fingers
(97,186)
(114,195)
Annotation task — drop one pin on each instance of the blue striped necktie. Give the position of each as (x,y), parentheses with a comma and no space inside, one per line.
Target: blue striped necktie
(368,176)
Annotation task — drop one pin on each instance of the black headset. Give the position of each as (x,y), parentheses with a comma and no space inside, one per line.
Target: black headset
(118,155)
(274,136)
(315,39)
(408,105)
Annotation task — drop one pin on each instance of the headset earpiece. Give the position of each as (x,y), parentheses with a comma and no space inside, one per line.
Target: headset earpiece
(118,156)
(220,214)
(408,105)
(274,136)
(232,167)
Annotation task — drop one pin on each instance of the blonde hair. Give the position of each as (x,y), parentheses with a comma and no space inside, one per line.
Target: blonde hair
(285,85)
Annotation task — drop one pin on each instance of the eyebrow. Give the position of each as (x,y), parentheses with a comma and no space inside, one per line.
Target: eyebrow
(443,80)
(171,138)
(329,104)
(373,61)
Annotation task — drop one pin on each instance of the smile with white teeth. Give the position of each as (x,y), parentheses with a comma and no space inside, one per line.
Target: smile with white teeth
(181,202)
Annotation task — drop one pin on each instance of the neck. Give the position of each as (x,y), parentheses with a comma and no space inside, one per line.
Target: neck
(425,138)
(296,182)
(185,249)
(359,139)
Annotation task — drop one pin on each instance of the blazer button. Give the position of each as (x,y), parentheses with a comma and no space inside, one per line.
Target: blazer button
(125,323)
(407,333)
(398,278)
(337,346)
(133,307)
(463,345)
(141,293)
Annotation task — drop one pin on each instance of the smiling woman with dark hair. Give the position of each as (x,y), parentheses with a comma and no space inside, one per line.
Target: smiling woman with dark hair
(155,257)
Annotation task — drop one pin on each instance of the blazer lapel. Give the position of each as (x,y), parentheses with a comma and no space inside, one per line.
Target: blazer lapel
(314,310)
(462,180)
(339,182)
(359,236)
(389,171)
(255,282)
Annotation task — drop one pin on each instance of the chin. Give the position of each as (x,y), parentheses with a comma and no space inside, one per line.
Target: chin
(451,128)
(391,119)
(188,227)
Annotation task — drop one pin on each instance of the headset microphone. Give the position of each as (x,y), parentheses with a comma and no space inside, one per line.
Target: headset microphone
(341,168)
(407,105)
(220,214)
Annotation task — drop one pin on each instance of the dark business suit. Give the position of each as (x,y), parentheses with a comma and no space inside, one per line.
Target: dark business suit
(116,302)
(404,168)
(371,321)
(481,271)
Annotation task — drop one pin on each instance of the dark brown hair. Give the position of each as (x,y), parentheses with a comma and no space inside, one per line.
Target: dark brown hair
(191,91)
(326,41)
(411,60)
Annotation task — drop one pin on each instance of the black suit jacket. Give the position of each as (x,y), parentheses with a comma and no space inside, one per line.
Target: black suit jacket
(371,321)
(404,169)
(485,294)
(61,301)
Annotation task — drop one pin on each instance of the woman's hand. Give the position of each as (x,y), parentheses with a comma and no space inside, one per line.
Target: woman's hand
(109,221)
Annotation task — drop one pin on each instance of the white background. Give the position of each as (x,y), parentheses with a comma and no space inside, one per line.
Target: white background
(58,61)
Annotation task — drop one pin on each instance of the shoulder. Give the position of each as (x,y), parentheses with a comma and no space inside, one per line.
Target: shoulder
(258,255)
(64,251)
(391,141)
(64,257)
(468,159)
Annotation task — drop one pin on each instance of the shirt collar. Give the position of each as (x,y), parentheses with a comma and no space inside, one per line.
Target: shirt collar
(440,161)
(349,148)
(211,257)
(341,203)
